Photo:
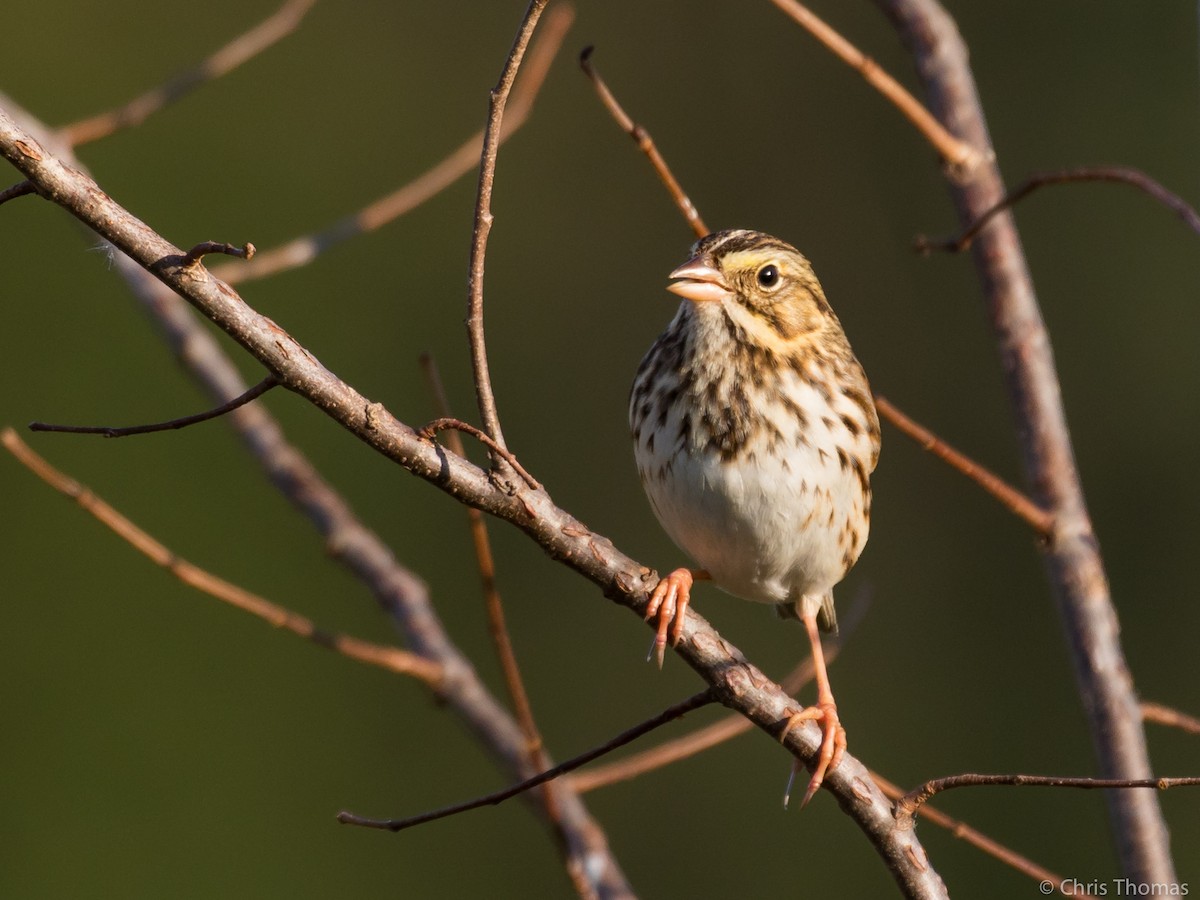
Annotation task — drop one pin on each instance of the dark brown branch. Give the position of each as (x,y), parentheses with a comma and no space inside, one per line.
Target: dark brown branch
(20,189)
(391,658)
(430,430)
(483,223)
(668,715)
(242,48)
(108,431)
(1172,718)
(1013,500)
(1118,174)
(1074,565)
(201,250)
(908,805)
(642,138)
(304,249)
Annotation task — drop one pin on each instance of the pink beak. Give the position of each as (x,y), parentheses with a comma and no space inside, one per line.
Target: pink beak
(699,282)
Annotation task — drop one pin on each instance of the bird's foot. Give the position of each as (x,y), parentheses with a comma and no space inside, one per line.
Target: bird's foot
(833,745)
(668,604)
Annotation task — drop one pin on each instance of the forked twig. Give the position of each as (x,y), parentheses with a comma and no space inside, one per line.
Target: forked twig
(960,155)
(302,250)
(907,805)
(1119,174)
(246,46)
(430,429)
(483,223)
(170,425)
(20,189)
(391,658)
(668,715)
(642,138)
(1013,500)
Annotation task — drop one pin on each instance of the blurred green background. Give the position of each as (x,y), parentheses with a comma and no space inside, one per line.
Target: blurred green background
(157,743)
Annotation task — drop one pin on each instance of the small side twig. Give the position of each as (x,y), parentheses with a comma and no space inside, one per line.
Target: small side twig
(668,715)
(391,658)
(960,155)
(1118,174)
(242,48)
(908,805)
(430,430)
(1173,718)
(170,425)
(641,137)
(484,219)
(193,256)
(20,189)
(1013,500)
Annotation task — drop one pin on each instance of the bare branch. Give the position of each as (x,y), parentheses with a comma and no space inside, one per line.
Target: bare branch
(197,253)
(1075,567)
(642,138)
(907,805)
(391,658)
(1012,499)
(172,424)
(430,430)
(1118,174)
(1173,718)
(739,683)
(20,189)
(668,715)
(242,48)
(303,250)
(959,155)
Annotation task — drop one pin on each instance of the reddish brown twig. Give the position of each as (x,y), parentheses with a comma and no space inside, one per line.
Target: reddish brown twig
(430,429)
(201,250)
(1013,500)
(908,805)
(519,697)
(1173,718)
(246,46)
(483,225)
(172,424)
(1118,174)
(668,715)
(391,658)
(304,249)
(642,138)
(20,189)
(960,155)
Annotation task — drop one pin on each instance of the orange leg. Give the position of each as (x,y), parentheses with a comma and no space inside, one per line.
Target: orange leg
(833,743)
(668,604)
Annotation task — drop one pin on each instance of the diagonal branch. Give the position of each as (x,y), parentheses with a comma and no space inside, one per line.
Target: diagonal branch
(738,683)
(1074,565)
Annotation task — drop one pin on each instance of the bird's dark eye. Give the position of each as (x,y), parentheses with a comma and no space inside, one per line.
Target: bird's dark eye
(768,276)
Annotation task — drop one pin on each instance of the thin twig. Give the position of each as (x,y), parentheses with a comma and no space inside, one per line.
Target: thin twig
(1118,174)
(172,424)
(907,805)
(201,250)
(304,249)
(519,697)
(1013,500)
(430,429)
(1173,718)
(246,46)
(391,658)
(20,189)
(483,223)
(981,841)
(960,155)
(668,715)
(642,138)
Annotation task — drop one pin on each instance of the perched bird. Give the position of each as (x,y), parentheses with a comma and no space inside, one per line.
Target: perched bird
(755,435)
